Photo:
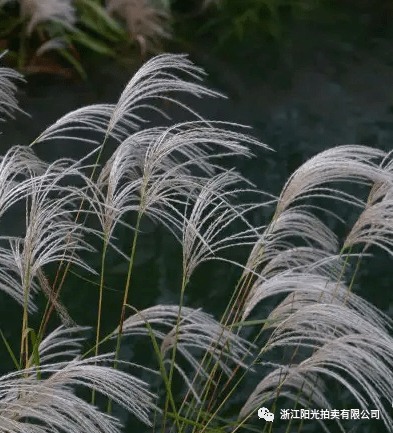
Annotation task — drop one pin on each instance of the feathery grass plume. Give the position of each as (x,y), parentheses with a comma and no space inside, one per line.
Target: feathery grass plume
(288,380)
(280,234)
(51,207)
(348,340)
(347,347)
(38,11)
(59,343)
(306,291)
(335,333)
(50,225)
(18,169)
(155,81)
(92,118)
(350,163)
(303,288)
(197,333)
(159,171)
(8,102)
(375,224)
(146,23)
(357,164)
(42,398)
(209,217)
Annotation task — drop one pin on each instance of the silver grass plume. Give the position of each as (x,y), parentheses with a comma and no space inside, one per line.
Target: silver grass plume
(51,229)
(196,334)
(8,101)
(41,398)
(157,80)
(335,333)
(161,172)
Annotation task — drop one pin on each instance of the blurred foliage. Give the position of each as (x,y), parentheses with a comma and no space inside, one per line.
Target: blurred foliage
(233,18)
(135,28)
(233,25)
(53,44)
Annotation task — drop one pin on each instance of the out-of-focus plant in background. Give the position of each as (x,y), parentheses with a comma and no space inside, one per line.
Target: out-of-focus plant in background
(41,34)
(55,35)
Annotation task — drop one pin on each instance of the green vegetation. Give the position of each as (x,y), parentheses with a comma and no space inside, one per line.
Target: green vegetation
(55,36)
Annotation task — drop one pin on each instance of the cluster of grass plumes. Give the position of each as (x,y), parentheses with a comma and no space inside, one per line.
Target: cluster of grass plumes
(318,330)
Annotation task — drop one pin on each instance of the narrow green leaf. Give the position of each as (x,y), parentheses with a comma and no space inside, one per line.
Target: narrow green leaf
(12,355)
(93,44)
(36,356)
(101,13)
(77,65)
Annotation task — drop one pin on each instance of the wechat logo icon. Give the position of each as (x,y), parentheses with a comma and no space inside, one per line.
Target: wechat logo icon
(264,413)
